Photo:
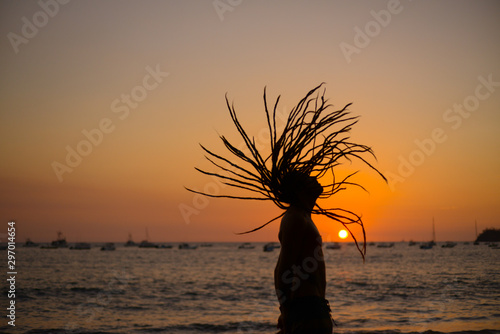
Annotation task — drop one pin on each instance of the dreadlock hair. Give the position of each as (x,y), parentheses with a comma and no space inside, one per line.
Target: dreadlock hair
(313,142)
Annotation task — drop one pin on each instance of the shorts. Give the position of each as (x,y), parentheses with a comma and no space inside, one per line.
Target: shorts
(306,315)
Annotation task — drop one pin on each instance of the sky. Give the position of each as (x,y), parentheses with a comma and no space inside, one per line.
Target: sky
(103,106)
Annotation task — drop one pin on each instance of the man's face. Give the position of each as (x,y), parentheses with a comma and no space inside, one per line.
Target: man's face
(312,187)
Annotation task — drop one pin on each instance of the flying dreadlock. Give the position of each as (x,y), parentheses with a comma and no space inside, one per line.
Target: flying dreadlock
(313,142)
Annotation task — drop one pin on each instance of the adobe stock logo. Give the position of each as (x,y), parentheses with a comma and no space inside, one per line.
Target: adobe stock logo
(454,117)
(121,106)
(222,6)
(373,28)
(214,187)
(30,28)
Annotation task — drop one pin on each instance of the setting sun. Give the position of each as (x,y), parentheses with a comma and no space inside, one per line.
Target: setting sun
(343,234)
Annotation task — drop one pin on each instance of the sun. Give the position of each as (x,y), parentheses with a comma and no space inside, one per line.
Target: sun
(343,234)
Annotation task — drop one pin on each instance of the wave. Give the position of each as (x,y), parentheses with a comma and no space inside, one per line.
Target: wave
(228,328)
(484,331)
(63,331)
(85,290)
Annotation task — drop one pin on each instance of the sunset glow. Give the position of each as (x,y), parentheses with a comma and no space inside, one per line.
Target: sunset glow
(103,109)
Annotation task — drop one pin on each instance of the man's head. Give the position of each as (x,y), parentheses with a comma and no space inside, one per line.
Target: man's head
(300,189)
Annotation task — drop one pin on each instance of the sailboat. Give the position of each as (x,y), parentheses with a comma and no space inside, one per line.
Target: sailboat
(334,245)
(60,242)
(475,241)
(109,246)
(130,242)
(187,246)
(269,247)
(30,243)
(146,243)
(449,244)
(432,243)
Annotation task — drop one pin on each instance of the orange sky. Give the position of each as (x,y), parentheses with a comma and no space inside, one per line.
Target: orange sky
(133,87)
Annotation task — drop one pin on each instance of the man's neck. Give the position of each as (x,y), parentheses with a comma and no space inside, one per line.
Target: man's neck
(303,209)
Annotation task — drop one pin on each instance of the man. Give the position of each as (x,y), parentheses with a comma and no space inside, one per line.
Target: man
(299,276)
(313,142)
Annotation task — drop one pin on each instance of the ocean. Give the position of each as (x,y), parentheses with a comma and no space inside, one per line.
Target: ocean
(224,289)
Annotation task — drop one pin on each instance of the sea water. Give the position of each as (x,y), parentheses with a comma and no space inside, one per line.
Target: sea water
(224,289)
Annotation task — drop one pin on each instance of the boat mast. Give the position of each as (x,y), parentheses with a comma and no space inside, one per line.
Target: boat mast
(433,231)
